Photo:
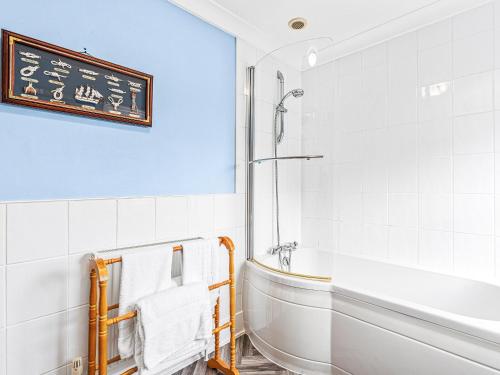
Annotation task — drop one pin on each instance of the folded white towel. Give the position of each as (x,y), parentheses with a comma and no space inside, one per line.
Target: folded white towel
(201,262)
(169,324)
(143,273)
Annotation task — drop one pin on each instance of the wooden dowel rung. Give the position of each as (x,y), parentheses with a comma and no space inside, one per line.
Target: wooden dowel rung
(112,260)
(218,285)
(114,359)
(118,319)
(221,328)
(112,307)
(130,371)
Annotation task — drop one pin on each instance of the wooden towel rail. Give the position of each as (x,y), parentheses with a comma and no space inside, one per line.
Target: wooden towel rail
(99,308)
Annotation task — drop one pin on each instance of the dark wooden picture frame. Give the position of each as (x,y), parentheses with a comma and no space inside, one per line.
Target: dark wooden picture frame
(10,75)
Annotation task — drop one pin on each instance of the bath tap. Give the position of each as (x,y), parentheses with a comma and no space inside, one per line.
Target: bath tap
(288,246)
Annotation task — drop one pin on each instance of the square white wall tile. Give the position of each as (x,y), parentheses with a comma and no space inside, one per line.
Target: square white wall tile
(45,341)
(326,234)
(429,71)
(78,283)
(374,97)
(3,232)
(473,54)
(375,56)
(201,216)
(375,208)
(474,255)
(473,173)
(78,332)
(36,289)
(375,241)
(350,238)
(136,221)
(474,213)
(435,138)
(228,209)
(403,175)
(172,218)
(92,225)
(403,245)
(403,210)
(473,21)
(350,65)
(473,94)
(436,211)
(351,207)
(474,133)
(434,101)
(436,250)
(434,35)
(375,177)
(435,175)
(36,230)
(402,48)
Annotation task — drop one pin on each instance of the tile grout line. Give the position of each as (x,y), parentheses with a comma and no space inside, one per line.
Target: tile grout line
(452,143)
(67,334)
(417,154)
(495,258)
(5,293)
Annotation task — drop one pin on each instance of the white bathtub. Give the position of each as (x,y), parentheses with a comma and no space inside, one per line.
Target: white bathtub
(373,318)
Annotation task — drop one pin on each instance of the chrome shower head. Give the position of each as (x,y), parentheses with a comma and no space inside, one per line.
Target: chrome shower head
(297,93)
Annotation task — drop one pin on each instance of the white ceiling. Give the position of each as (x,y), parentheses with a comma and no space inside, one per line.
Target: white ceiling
(352,24)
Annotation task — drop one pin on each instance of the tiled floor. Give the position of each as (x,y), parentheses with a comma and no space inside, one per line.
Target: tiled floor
(249,362)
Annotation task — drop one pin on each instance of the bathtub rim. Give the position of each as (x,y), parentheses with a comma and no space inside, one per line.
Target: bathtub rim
(326,279)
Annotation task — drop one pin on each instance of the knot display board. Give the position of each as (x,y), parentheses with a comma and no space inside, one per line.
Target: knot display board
(42,75)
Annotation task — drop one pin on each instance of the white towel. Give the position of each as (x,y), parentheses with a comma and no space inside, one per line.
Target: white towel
(200,261)
(143,273)
(169,324)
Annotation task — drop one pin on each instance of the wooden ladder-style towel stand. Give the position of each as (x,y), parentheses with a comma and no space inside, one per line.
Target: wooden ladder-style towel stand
(98,310)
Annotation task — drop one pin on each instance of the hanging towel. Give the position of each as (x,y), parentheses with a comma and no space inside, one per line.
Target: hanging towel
(143,273)
(200,261)
(169,324)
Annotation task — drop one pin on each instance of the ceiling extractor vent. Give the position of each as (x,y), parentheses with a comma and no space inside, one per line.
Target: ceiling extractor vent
(297,23)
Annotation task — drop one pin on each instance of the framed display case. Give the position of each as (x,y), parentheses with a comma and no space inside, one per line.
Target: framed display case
(42,75)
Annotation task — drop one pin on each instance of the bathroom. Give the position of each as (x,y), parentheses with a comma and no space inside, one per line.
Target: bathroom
(344,153)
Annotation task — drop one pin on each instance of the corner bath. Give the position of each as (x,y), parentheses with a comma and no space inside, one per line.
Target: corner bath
(372,318)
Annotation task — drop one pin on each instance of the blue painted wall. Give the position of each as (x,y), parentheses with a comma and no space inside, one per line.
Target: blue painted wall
(189,150)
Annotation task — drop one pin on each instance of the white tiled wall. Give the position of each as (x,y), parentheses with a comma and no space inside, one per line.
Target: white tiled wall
(410,133)
(43,292)
(44,249)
